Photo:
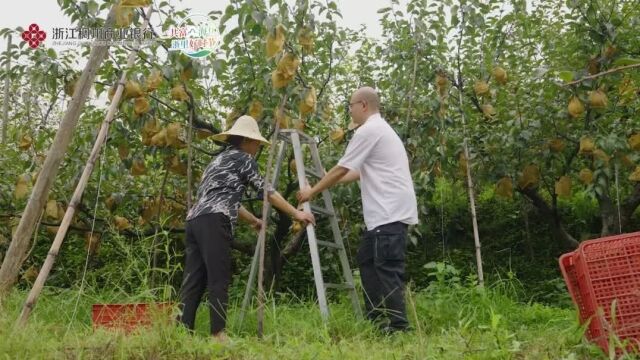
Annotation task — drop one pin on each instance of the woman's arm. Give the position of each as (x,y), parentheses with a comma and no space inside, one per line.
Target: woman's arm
(249,218)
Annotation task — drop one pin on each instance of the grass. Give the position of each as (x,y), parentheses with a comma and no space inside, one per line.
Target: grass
(451,321)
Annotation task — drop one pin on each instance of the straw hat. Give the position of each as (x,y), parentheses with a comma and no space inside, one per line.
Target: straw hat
(245,126)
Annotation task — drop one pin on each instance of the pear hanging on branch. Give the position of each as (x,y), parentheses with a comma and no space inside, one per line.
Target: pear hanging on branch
(337,135)
(135,3)
(634,141)
(141,106)
(481,88)
(586,176)
(575,107)
(504,187)
(138,168)
(500,75)
(121,223)
(22,187)
(308,102)
(635,176)
(179,93)
(255,110)
(556,145)
(124,15)
(598,99)
(305,39)
(586,146)
(563,187)
(488,111)
(282,118)
(25,142)
(275,41)
(530,177)
(132,89)
(154,81)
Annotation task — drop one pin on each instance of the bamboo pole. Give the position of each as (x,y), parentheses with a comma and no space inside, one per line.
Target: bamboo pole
(472,201)
(265,213)
(28,222)
(75,200)
(5,108)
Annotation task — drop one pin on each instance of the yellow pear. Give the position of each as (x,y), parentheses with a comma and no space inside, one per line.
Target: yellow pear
(575,107)
(500,75)
(586,145)
(178,93)
(25,142)
(563,187)
(22,187)
(598,99)
(121,223)
(138,168)
(153,81)
(504,187)
(308,102)
(556,145)
(481,88)
(141,106)
(530,177)
(586,176)
(275,41)
(132,89)
(337,135)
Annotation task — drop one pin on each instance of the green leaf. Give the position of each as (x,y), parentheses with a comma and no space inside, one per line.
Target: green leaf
(626,62)
(566,75)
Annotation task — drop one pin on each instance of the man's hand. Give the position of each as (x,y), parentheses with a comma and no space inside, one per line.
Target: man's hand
(305,217)
(305,194)
(257,224)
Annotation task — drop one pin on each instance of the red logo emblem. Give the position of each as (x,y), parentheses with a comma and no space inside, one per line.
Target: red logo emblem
(34,36)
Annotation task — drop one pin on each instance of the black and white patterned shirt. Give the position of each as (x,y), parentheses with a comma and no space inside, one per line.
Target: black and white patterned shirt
(224,182)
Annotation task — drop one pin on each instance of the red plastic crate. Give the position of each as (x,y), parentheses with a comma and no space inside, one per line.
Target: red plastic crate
(599,274)
(128,317)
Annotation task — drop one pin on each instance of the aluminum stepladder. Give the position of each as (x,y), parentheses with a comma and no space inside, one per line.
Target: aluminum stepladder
(296,138)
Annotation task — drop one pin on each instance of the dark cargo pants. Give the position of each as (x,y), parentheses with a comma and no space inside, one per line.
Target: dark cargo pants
(381,258)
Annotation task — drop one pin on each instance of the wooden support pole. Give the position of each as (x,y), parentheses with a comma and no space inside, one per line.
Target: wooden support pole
(77,195)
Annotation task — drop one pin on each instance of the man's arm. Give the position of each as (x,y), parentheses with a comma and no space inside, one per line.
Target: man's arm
(352,175)
(330,179)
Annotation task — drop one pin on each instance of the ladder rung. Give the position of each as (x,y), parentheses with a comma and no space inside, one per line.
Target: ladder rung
(313,173)
(344,286)
(321,210)
(329,244)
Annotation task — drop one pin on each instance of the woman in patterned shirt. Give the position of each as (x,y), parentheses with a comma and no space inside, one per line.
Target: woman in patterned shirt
(211,219)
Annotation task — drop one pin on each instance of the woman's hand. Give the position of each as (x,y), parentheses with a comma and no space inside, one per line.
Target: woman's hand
(305,217)
(257,224)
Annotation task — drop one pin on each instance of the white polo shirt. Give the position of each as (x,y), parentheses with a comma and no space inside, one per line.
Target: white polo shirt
(378,154)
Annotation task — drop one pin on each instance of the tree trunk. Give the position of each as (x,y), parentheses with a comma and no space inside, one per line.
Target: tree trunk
(607,215)
(552,216)
(20,242)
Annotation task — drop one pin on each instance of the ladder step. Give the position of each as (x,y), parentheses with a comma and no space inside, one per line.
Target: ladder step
(321,210)
(344,286)
(329,244)
(313,173)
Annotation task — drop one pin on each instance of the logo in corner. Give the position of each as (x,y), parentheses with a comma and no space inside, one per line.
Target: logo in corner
(34,36)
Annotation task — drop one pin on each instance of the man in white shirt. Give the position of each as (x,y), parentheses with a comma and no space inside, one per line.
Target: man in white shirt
(376,156)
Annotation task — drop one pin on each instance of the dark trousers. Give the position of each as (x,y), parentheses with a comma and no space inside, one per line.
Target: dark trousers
(381,259)
(207,265)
